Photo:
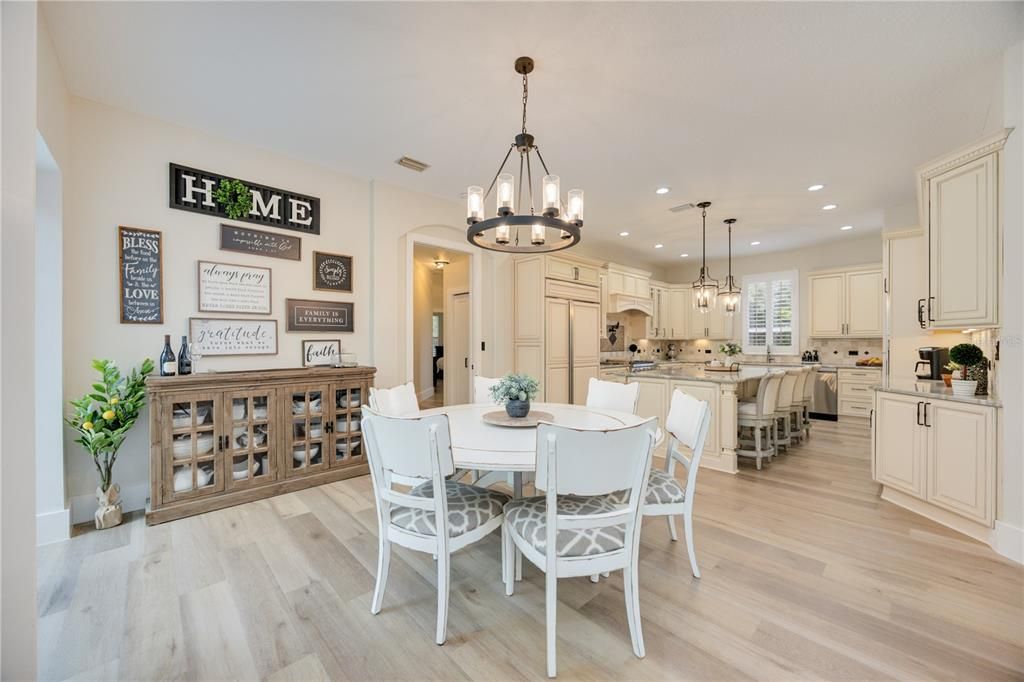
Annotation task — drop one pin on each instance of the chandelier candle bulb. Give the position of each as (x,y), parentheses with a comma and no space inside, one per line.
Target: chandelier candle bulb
(575,205)
(537,235)
(552,195)
(475,204)
(506,185)
(501,234)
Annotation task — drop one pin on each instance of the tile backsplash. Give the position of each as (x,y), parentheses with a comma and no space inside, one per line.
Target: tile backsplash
(831,351)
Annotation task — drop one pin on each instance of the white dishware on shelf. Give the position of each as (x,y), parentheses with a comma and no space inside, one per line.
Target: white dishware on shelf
(182,479)
(264,463)
(204,443)
(316,430)
(344,448)
(299,406)
(299,453)
(181,417)
(182,446)
(238,410)
(204,476)
(354,424)
(239,470)
(259,411)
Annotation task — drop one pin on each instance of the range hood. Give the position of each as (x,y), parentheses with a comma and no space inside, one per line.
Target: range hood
(621,303)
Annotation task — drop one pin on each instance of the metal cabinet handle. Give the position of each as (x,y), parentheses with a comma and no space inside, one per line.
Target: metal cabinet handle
(920,313)
(930,299)
(919,404)
(926,406)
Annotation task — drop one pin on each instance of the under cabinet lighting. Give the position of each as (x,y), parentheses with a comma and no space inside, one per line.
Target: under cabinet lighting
(846,227)
(829,207)
(623,234)
(815,188)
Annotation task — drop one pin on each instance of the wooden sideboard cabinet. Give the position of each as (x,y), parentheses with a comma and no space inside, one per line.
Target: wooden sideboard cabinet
(225,438)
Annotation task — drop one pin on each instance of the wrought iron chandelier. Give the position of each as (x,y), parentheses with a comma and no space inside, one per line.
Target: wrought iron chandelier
(558,225)
(729,294)
(705,287)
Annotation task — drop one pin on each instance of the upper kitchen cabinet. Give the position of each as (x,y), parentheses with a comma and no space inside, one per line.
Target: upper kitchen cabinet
(847,303)
(573,270)
(659,325)
(626,281)
(958,201)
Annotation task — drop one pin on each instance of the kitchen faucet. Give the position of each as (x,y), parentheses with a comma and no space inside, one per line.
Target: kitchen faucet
(768,351)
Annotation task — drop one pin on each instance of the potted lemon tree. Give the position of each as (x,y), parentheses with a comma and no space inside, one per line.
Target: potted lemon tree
(103,417)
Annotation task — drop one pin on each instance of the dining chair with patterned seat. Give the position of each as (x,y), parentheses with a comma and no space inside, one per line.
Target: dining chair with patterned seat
(612,395)
(577,527)
(482,390)
(419,447)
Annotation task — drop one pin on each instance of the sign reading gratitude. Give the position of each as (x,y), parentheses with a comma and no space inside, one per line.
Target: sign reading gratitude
(260,243)
(332,272)
(193,190)
(227,288)
(214,336)
(140,261)
(318,316)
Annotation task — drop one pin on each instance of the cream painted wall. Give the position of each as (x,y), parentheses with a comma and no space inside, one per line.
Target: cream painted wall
(855,251)
(423,294)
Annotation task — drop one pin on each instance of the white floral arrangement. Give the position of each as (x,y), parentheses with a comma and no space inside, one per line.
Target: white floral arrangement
(514,387)
(730,349)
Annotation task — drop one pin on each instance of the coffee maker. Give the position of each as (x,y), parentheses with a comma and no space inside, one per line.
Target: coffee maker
(934,360)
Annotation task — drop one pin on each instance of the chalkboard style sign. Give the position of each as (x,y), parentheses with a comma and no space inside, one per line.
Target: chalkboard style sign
(318,316)
(228,288)
(193,190)
(215,336)
(260,243)
(320,352)
(141,267)
(332,272)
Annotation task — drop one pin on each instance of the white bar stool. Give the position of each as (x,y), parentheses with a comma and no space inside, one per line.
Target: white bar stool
(759,415)
(783,409)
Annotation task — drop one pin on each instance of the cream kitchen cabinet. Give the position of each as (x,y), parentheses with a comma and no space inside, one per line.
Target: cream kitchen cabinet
(627,281)
(939,452)
(573,270)
(847,303)
(659,321)
(958,201)
(714,324)
(679,312)
(653,398)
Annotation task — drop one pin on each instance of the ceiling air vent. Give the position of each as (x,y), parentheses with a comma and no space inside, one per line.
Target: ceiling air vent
(412,164)
(682,207)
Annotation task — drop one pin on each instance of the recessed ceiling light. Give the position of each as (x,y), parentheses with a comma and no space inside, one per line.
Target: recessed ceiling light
(658,246)
(815,188)
(754,243)
(846,227)
(684,255)
(663,190)
(829,207)
(623,234)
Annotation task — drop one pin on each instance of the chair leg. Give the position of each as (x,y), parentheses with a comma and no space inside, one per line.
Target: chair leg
(757,445)
(383,563)
(508,561)
(595,578)
(551,605)
(688,527)
(672,527)
(443,579)
(631,587)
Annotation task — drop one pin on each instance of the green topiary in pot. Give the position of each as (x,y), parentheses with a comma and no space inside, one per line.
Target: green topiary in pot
(973,365)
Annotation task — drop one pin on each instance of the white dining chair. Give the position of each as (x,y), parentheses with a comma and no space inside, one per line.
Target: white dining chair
(687,425)
(577,528)
(611,395)
(482,390)
(395,402)
(759,416)
(420,447)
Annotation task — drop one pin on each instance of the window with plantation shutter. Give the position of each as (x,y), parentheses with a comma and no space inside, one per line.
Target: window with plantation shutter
(770,319)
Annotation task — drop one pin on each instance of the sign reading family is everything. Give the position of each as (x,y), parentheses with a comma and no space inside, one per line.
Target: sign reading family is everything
(215,336)
(318,316)
(332,272)
(227,288)
(193,190)
(140,261)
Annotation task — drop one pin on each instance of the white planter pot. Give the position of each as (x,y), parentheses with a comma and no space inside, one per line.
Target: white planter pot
(964,388)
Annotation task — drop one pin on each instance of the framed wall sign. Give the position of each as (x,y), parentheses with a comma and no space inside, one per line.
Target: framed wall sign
(332,272)
(217,336)
(194,190)
(320,352)
(318,316)
(228,288)
(259,243)
(141,275)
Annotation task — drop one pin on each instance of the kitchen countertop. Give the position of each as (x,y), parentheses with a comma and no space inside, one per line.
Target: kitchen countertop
(699,374)
(937,390)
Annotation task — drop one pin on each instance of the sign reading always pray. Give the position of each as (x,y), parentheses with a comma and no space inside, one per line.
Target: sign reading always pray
(228,288)
(193,190)
(141,279)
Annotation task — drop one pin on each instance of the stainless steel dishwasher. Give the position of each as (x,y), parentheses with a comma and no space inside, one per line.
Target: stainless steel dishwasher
(825,399)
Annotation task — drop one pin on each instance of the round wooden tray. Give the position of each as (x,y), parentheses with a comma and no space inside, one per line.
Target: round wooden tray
(724,368)
(501,418)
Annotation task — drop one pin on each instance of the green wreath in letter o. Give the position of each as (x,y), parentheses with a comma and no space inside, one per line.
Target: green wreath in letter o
(235,197)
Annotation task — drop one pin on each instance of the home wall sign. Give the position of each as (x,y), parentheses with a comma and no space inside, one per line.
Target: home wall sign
(332,272)
(318,316)
(216,336)
(141,275)
(260,243)
(320,352)
(193,190)
(228,288)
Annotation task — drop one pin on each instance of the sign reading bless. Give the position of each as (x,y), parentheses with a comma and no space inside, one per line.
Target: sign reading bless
(193,190)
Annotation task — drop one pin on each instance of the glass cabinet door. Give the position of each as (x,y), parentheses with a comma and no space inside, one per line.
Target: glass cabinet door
(346,442)
(191,452)
(252,450)
(308,411)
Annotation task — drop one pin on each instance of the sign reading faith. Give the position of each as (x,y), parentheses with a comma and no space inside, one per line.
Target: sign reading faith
(318,316)
(140,260)
(320,352)
(193,190)
(213,336)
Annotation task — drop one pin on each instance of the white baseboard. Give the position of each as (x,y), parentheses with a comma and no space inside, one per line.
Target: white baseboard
(425,393)
(133,497)
(1008,540)
(53,527)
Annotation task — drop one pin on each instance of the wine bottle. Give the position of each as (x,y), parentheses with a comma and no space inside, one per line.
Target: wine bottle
(184,358)
(168,364)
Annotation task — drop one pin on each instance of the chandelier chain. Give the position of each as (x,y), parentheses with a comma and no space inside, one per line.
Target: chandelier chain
(526,93)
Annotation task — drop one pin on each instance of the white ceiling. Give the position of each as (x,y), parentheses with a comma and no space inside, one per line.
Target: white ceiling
(742,104)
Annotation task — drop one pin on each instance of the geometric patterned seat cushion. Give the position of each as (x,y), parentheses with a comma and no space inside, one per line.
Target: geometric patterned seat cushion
(661,489)
(469,507)
(527,516)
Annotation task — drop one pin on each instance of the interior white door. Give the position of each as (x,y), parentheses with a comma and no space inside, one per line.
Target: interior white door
(457,370)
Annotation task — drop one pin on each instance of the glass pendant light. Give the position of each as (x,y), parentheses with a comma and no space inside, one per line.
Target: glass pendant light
(705,288)
(730,293)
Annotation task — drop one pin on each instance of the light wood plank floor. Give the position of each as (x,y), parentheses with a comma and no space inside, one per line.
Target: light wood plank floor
(807,574)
